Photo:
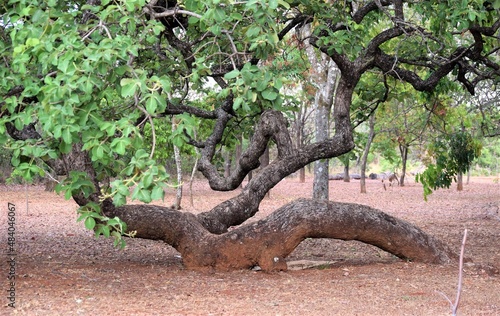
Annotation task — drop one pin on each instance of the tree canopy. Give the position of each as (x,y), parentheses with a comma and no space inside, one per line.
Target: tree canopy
(81,80)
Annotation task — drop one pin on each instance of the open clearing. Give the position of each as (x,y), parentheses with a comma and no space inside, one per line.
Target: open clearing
(63,270)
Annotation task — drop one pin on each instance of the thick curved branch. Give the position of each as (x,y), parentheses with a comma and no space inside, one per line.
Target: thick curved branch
(388,64)
(273,126)
(267,242)
(195,111)
(360,14)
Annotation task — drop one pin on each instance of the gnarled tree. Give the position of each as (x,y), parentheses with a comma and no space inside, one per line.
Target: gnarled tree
(80,80)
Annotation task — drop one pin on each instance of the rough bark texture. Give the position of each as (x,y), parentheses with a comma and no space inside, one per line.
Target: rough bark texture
(267,242)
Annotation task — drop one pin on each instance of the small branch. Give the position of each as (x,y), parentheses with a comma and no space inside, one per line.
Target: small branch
(454,306)
(150,119)
(148,9)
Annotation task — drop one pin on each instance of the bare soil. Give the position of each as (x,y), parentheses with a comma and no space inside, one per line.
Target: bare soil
(63,270)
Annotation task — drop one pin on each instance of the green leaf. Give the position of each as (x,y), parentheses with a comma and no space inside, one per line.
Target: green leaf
(237,103)
(269,95)
(147,180)
(89,223)
(129,87)
(105,231)
(253,31)
(232,74)
(151,104)
(119,145)
(66,135)
(158,193)
(32,42)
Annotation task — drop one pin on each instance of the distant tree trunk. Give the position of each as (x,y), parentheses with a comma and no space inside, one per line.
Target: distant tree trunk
(347,177)
(323,104)
(321,183)
(403,149)
(238,150)
(460,184)
(364,157)
(193,172)
(178,164)
(264,162)
(325,77)
(227,164)
(299,135)
(191,180)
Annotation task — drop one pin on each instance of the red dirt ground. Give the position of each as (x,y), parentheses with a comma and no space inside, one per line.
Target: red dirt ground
(63,270)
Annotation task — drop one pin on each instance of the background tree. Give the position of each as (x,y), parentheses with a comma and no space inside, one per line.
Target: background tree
(453,156)
(366,151)
(79,80)
(408,125)
(323,75)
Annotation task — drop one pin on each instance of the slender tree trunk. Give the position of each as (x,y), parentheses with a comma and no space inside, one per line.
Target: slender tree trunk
(227,164)
(320,182)
(364,157)
(460,184)
(299,135)
(178,164)
(191,180)
(302,175)
(347,177)
(404,159)
(325,74)
(238,151)
(193,172)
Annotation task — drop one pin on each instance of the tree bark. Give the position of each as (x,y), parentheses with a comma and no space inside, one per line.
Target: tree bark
(268,242)
(403,149)
(325,74)
(178,166)
(347,177)
(299,137)
(460,182)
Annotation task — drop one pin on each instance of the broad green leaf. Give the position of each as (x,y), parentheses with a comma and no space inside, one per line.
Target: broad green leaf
(269,95)
(158,193)
(232,74)
(129,87)
(151,104)
(89,223)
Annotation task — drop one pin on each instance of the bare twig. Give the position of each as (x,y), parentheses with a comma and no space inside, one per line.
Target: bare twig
(459,287)
(454,306)
(150,119)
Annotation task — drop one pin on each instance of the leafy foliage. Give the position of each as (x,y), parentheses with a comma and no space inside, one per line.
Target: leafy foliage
(452,155)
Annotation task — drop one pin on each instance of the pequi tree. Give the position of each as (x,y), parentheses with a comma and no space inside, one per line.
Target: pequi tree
(79,81)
